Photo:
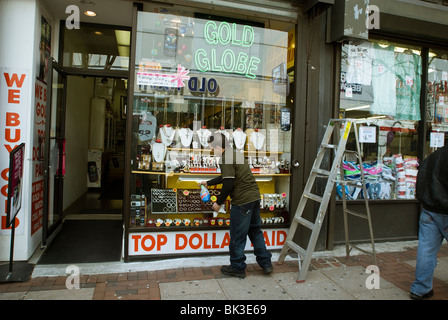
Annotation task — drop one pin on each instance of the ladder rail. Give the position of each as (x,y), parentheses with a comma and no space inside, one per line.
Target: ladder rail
(366,200)
(331,175)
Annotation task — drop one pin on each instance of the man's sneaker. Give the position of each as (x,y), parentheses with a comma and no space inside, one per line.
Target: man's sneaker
(425,296)
(267,270)
(229,271)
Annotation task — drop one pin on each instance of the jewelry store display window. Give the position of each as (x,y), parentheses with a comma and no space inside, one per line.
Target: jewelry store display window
(381,88)
(194,77)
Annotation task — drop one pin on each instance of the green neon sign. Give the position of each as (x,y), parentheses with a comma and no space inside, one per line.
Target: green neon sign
(225,34)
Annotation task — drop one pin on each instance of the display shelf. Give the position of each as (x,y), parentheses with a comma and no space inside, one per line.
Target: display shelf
(204,174)
(193,228)
(246,152)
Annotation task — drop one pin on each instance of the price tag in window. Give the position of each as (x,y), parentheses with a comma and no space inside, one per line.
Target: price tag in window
(348,92)
(437,139)
(445,75)
(409,81)
(367,134)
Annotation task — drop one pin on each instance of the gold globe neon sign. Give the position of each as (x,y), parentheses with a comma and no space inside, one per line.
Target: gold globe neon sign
(226,34)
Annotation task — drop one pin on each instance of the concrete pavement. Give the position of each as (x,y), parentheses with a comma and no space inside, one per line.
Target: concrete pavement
(331,277)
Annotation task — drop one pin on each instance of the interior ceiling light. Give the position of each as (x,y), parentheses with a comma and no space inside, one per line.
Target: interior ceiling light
(90,13)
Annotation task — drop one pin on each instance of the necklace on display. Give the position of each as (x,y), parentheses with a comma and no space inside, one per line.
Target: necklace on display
(167,134)
(257,139)
(203,135)
(186,136)
(158,151)
(239,137)
(226,133)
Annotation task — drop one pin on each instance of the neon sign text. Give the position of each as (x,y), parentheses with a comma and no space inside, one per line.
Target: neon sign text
(228,61)
(225,34)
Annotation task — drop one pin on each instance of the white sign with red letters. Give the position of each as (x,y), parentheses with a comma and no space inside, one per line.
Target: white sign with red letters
(14,90)
(200,241)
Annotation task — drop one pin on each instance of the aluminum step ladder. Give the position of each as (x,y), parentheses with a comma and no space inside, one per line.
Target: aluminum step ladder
(335,175)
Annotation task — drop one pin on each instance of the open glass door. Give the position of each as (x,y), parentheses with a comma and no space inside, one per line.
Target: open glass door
(54,154)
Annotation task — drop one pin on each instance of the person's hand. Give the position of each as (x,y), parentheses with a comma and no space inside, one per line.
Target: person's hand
(216,207)
(204,183)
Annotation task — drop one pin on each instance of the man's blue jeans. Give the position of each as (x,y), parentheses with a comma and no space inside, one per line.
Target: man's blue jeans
(432,229)
(245,221)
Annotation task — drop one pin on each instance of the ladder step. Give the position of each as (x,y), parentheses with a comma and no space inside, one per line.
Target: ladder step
(322,172)
(329,146)
(312,197)
(305,222)
(353,213)
(296,248)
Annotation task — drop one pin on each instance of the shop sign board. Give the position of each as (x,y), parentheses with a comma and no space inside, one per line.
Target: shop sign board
(160,79)
(15,185)
(200,241)
(14,90)
(37,173)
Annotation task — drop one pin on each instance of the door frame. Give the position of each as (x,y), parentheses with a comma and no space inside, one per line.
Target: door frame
(59,135)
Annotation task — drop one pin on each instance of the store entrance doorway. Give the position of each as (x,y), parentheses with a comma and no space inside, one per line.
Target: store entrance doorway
(95,133)
(89,198)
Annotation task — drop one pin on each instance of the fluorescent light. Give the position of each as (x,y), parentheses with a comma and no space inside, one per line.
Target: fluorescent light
(196,178)
(123,37)
(358,108)
(263,178)
(123,51)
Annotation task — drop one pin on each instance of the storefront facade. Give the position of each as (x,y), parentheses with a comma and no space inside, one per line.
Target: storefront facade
(269,79)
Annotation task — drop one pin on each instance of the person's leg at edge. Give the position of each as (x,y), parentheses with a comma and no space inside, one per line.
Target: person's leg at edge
(429,242)
(239,225)
(263,256)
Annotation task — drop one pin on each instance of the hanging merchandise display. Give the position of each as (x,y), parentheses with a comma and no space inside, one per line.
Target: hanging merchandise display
(390,114)
(239,139)
(408,73)
(147,126)
(383,81)
(258,139)
(158,151)
(204,134)
(186,136)
(167,134)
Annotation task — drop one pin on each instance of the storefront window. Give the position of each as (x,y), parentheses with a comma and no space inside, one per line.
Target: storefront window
(437,100)
(194,77)
(380,88)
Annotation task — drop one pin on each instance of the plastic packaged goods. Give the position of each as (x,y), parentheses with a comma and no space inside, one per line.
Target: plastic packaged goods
(205,195)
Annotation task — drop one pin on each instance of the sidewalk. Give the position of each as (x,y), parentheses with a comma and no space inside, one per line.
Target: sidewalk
(331,277)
